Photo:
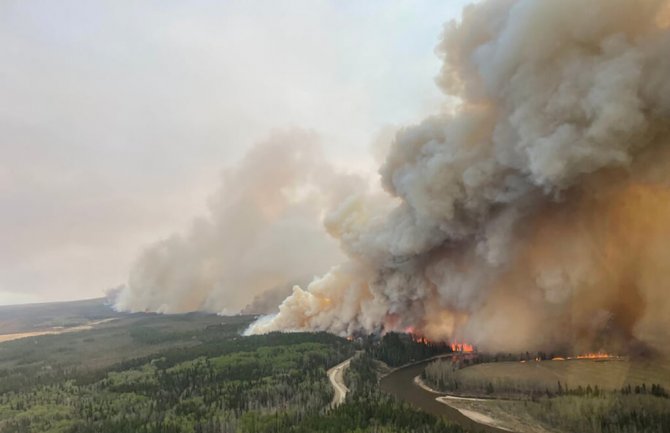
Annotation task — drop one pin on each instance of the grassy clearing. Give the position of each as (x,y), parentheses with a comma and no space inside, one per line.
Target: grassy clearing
(609,375)
(516,378)
(586,396)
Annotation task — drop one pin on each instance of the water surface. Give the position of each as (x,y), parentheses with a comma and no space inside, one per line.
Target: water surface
(400,383)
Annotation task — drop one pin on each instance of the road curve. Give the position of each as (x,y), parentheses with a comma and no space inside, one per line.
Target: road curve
(336,377)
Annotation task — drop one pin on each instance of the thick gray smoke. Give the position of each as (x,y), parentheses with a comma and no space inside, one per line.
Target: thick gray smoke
(535,214)
(263,231)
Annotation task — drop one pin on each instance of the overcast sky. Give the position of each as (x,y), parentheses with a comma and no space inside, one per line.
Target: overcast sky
(117,117)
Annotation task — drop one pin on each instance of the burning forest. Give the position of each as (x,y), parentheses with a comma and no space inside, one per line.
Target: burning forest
(531,214)
(486,252)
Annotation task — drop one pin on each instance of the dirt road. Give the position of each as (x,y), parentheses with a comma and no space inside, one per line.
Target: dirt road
(336,376)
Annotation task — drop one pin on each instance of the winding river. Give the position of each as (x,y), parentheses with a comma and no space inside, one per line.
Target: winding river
(400,383)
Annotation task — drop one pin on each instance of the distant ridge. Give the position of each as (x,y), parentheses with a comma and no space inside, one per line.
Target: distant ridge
(41,316)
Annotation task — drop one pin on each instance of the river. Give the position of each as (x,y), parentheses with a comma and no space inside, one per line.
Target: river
(400,383)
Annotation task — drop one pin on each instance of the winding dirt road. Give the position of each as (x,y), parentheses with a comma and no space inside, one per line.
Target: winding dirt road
(336,377)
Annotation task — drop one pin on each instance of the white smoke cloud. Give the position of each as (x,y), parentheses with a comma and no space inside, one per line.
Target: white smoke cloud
(263,231)
(536,206)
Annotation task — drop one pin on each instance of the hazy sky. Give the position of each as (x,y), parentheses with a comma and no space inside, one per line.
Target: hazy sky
(117,117)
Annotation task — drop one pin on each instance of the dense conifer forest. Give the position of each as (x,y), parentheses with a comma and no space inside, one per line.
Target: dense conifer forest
(201,376)
(198,374)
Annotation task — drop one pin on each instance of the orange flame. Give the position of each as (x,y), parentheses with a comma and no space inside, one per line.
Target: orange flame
(598,355)
(462,347)
(594,355)
(419,339)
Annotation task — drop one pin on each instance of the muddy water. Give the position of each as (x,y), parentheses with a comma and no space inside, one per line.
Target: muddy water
(400,384)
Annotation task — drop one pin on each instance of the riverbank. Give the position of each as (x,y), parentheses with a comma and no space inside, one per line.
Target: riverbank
(400,383)
(452,401)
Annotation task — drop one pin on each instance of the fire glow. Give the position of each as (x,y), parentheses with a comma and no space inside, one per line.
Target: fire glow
(418,338)
(457,347)
(598,355)
(593,356)
(462,347)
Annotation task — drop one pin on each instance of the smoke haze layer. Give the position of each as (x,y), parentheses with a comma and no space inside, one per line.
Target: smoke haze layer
(533,216)
(263,232)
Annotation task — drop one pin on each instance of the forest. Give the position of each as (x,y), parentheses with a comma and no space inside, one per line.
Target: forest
(199,375)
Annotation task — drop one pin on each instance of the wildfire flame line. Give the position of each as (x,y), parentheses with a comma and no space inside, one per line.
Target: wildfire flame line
(462,347)
(459,347)
(594,356)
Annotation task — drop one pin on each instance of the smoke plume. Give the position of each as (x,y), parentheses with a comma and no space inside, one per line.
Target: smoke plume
(263,231)
(533,216)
